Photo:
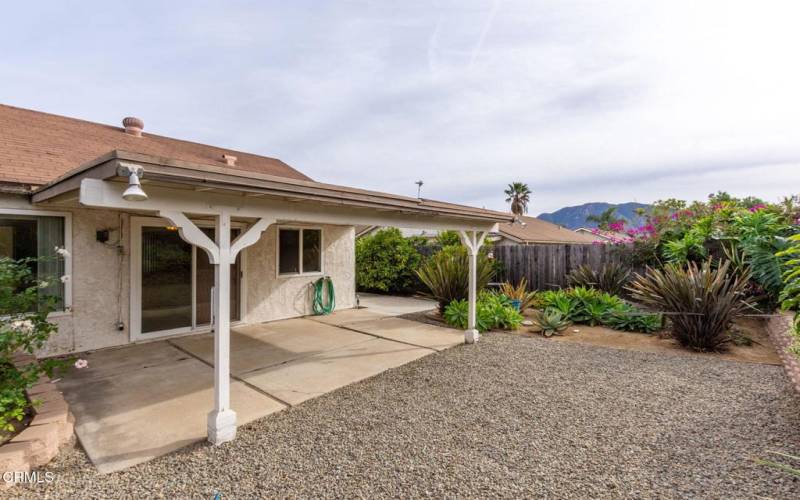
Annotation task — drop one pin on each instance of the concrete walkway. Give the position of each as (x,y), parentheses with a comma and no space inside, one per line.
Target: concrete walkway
(138,402)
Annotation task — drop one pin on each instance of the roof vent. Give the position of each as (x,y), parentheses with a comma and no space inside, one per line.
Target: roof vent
(133,125)
(230,160)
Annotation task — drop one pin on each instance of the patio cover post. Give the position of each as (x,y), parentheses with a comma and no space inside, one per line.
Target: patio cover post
(473,241)
(222,419)
(221,422)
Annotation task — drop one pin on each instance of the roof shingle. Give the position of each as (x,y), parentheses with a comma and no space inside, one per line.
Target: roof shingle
(539,231)
(37,147)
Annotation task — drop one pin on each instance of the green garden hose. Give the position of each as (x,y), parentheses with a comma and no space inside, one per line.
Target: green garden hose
(319,306)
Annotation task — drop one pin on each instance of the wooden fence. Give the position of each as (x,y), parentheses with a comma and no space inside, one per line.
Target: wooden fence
(546,266)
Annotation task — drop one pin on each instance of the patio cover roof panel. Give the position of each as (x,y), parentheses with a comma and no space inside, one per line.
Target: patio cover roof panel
(200,177)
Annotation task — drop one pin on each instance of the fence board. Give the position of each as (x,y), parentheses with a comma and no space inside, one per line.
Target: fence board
(546,266)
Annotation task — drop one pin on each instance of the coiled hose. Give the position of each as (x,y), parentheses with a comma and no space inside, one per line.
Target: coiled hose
(319,307)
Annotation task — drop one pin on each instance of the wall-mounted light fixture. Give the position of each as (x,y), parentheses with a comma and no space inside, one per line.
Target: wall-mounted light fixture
(133,173)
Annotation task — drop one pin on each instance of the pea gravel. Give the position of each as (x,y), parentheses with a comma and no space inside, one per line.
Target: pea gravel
(507,417)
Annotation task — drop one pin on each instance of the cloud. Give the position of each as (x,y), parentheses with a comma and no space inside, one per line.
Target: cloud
(585,101)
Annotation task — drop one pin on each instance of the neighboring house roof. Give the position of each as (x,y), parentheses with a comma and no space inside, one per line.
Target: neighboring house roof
(37,147)
(601,235)
(539,231)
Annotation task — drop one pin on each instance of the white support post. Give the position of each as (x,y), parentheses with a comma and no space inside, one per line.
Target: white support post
(222,419)
(473,241)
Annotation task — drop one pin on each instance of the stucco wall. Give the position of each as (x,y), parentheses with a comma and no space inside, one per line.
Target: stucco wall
(270,297)
(101,279)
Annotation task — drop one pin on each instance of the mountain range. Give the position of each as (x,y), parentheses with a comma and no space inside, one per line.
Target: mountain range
(575,217)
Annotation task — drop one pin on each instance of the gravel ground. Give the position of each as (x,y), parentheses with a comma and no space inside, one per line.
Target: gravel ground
(508,417)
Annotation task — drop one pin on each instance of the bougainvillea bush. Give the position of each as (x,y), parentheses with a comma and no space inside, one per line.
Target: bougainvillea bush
(24,328)
(748,232)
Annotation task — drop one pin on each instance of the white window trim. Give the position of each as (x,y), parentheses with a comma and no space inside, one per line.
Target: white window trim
(321,271)
(67,245)
(135,319)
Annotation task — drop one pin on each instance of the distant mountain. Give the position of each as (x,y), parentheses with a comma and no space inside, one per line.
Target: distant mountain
(575,217)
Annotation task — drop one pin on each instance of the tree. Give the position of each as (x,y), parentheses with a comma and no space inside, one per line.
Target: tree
(605,219)
(518,194)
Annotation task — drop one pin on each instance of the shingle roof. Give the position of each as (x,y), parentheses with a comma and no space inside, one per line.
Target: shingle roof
(539,231)
(37,147)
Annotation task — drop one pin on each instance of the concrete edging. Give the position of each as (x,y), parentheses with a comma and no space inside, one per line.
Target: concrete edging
(51,427)
(779,328)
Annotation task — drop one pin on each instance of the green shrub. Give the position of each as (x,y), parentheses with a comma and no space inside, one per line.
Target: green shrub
(790,295)
(493,311)
(448,239)
(707,299)
(611,277)
(386,262)
(23,328)
(446,275)
(629,319)
(593,307)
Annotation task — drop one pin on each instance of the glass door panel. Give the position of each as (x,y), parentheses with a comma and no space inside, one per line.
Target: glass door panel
(204,281)
(166,280)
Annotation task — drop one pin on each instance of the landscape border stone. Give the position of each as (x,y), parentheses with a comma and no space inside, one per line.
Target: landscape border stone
(51,427)
(779,328)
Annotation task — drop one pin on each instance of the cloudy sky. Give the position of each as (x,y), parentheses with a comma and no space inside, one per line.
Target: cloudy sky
(583,100)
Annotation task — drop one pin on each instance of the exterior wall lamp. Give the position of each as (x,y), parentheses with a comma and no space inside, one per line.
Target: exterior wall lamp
(133,173)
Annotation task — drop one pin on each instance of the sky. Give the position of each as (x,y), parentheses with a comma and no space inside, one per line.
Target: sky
(584,101)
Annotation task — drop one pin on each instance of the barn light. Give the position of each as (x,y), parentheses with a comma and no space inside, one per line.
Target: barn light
(133,173)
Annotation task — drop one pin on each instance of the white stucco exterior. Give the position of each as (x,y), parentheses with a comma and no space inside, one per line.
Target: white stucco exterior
(100,278)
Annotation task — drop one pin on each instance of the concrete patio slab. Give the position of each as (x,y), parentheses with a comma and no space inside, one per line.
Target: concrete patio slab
(346,316)
(394,305)
(139,402)
(300,380)
(411,332)
(267,344)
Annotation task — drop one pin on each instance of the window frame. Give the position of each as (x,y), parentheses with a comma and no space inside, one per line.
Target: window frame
(67,216)
(321,271)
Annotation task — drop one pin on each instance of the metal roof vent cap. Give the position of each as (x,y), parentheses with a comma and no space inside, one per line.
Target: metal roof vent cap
(133,125)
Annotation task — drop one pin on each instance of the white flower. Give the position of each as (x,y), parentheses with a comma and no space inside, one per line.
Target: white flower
(62,252)
(44,284)
(24,325)
(81,364)
(65,278)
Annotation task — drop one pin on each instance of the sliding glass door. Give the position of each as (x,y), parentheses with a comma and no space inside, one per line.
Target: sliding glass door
(166,291)
(172,282)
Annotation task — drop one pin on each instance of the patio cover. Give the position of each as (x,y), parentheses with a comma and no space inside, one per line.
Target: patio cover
(178,190)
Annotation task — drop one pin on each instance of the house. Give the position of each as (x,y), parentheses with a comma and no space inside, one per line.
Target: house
(602,235)
(164,237)
(530,230)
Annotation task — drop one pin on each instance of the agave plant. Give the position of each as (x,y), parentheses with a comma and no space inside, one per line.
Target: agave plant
(446,274)
(704,300)
(550,322)
(611,277)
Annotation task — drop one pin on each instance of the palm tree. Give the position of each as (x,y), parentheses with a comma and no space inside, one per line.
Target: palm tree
(518,194)
(605,219)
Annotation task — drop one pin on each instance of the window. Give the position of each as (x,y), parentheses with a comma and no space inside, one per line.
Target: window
(24,235)
(299,251)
